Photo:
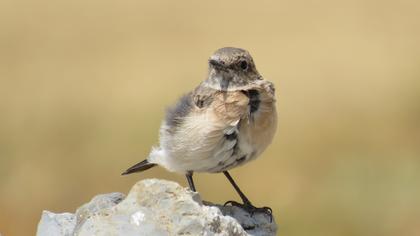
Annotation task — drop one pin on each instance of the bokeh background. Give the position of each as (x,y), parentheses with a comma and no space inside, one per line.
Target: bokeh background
(84,86)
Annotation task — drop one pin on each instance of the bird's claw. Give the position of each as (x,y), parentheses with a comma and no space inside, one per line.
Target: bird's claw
(248,207)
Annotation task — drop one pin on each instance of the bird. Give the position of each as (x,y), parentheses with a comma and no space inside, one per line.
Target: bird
(228,120)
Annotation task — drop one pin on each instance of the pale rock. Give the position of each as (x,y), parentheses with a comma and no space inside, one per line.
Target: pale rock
(155,207)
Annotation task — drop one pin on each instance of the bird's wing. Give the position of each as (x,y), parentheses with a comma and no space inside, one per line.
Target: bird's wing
(266,90)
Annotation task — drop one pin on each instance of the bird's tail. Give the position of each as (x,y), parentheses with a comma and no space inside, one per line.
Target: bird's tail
(141,166)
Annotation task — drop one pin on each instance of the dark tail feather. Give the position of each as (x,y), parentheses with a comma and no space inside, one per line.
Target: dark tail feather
(141,166)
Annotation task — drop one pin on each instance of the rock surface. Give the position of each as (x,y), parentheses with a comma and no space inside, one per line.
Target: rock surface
(154,207)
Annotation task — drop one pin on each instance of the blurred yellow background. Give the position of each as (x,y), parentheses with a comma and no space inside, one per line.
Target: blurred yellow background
(84,86)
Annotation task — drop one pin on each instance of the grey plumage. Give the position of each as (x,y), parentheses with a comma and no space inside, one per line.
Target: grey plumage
(176,114)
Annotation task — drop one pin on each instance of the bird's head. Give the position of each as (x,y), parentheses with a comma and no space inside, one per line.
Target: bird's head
(231,68)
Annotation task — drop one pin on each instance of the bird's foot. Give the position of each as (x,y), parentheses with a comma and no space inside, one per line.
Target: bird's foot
(251,209)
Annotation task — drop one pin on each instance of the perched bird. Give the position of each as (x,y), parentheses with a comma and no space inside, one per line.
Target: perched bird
(225,122)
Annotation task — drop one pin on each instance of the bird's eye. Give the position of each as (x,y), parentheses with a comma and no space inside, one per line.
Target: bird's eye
(243,65)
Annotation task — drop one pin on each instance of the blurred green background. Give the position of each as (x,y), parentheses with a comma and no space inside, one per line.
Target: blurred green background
(84,86)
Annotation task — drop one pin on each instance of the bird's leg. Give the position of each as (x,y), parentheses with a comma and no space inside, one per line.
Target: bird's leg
(247,205)
(245,200)
(190,180)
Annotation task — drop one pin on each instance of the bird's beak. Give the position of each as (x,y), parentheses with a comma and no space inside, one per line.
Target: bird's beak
(224,83)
